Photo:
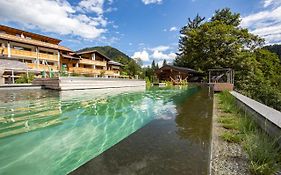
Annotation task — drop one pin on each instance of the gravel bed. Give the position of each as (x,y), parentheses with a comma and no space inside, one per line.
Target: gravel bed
(227,158)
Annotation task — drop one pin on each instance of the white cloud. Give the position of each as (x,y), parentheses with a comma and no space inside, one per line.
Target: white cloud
(95,6)
(56,16)
(161,48)
(146,2)
(158,54)
(143,55)
(266,23)
(172,29)
(267,3)
(161,55)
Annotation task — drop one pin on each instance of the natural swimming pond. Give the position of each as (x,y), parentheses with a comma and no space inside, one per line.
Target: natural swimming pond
(117,131)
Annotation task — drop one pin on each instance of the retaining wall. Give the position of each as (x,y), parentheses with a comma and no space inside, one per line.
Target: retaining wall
(267,118)
(79,83)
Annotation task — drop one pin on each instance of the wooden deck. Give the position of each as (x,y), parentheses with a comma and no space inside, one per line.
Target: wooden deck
(219,87)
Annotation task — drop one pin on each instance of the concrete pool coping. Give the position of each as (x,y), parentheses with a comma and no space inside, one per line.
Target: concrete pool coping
(19,87)
(267,118)
(80,83)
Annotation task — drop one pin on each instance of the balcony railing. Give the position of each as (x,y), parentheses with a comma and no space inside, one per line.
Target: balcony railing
(92,62)
(24,53)
(42,67)
(30,54)
(47,56)
(81,70)
(5,52)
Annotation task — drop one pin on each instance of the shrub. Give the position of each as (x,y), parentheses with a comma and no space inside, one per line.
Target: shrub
(262,150)
(24,78)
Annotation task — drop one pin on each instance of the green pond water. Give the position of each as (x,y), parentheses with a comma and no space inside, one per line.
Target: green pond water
(49,132)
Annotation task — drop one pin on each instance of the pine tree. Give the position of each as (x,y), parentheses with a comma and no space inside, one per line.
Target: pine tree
(164,62)
(153,66)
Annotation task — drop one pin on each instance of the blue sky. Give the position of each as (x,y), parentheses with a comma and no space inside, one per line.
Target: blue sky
(147,29)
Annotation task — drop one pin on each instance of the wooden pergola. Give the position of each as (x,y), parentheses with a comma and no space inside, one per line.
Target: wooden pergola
(221,79)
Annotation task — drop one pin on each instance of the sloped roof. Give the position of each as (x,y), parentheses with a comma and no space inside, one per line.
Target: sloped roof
(70,57)
(30,34)
(92,51)
(115,63)
(32,42)
(12,64)
(180,69)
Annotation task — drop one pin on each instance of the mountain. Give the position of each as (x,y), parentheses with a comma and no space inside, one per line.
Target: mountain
(276,48)
(111,52)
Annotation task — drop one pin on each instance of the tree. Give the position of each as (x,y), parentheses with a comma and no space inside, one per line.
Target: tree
(227,17)
(164,62)
(157,67)
(149,73)
(222,43)
(133,68)
(276,48)
(215,43)
(153,66)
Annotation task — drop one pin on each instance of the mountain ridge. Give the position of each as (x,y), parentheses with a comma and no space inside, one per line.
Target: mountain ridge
(111,52)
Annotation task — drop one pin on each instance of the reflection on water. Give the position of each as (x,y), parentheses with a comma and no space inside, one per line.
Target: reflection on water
(49,132)
(179,144)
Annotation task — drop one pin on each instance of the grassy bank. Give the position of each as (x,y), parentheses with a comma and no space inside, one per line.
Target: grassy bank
(263,152)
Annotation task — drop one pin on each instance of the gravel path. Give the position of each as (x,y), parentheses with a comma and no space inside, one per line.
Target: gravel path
(227,158)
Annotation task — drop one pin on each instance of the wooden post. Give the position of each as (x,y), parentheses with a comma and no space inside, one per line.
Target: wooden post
(209,76)
(9,49)
(228,76)
(37,58)
(59,60)
(233,77)
(13,76)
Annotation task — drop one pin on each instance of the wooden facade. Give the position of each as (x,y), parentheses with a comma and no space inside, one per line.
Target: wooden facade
(178,74)
(44,54)
(92,63)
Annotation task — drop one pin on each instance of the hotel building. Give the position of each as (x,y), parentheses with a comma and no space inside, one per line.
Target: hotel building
(24,52)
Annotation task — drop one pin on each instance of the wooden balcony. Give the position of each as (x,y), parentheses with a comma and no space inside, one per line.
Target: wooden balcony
(92,62)
(30,54)
(41,67)
(47,57)
(5,51)
(80,70)
(23,53)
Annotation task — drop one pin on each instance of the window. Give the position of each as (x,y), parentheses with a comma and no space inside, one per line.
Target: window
(99,67)
(46,52)
(21,48)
